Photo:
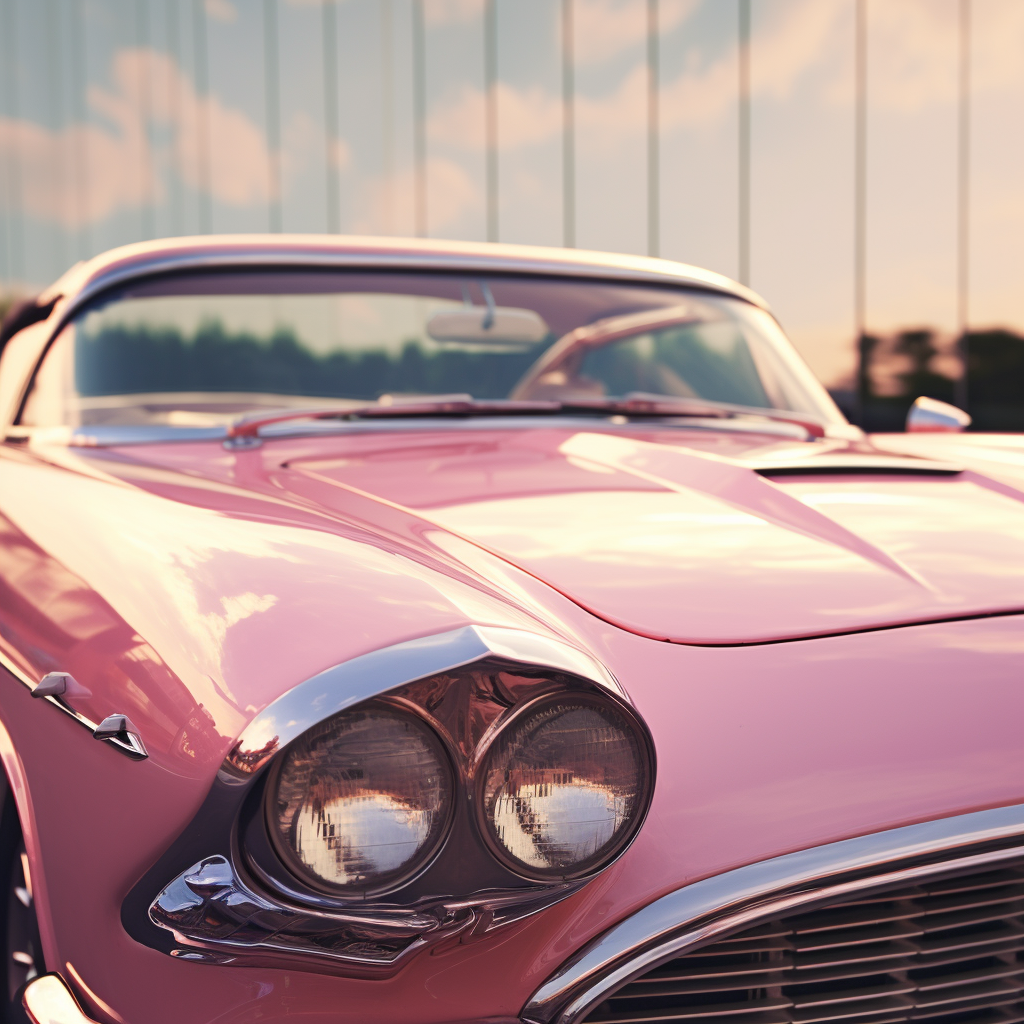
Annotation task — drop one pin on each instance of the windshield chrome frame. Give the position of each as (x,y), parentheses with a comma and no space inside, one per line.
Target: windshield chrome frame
(118,278)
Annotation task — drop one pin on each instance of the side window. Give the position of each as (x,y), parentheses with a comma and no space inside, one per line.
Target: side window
(50,399)
(18,358)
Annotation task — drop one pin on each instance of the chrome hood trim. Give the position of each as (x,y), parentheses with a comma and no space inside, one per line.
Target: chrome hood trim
(357,680)
(714,907)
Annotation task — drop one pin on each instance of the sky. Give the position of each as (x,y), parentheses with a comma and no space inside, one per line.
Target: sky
(114,128)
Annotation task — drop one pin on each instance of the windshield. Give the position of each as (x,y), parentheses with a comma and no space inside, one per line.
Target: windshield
(202,350)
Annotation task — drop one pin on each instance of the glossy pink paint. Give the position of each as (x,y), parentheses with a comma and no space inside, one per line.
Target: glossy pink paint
(762,749)
(691,546)
(190,586)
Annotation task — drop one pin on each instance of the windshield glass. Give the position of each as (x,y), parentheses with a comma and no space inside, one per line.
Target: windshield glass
(201,350)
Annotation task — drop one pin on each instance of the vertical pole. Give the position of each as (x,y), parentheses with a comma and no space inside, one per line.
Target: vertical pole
(332,129)
(963,223)
(273,113)
(54,60)
(419,62)
(174,106)
(860,192)
(202,117)
(568,129)
(81,142)
(653,131)
(6,208)
(491,85)
(9,67)
(387,93)
(744,141)
(147,227)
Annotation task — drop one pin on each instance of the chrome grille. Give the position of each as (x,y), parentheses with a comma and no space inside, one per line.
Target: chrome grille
(947,952)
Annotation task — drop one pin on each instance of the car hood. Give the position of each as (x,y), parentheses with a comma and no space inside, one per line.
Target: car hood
(693,536)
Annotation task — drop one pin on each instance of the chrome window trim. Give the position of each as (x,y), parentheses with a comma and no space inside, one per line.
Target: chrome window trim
(714,907)
(197,903)
(437,261)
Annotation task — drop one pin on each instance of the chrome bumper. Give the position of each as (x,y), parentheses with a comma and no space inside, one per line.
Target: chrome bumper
(48,1000)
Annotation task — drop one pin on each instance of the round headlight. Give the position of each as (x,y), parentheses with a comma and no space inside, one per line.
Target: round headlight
(564,787)
(362,801)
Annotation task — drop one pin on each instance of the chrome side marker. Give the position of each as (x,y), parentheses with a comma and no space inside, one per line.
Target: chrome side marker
(60,684)
(120,730)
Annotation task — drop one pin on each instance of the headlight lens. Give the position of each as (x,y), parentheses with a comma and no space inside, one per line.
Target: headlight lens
(564,787)
(363,800)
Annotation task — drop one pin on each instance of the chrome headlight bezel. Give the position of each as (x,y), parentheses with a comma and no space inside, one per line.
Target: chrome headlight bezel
(466,859)
(222,893)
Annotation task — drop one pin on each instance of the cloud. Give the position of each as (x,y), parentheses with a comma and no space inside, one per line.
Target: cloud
(387,204)
(605,28)
(340,154)
(913,60)
(912,64)
(783,51)
(435,12)
(525,117)
(222,10)
(444,12)
(120,166)
(112,167)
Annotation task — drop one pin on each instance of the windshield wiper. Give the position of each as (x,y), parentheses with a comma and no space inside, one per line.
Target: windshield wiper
(642,404)
(246,429)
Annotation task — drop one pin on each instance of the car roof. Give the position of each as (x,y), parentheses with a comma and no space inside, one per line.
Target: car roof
(118,266)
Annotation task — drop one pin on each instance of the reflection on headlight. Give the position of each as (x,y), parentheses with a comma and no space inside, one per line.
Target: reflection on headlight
(563,785)
(549,822)
(362,799)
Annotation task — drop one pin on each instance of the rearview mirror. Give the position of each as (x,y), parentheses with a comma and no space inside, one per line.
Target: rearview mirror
(497,326)
(488,326)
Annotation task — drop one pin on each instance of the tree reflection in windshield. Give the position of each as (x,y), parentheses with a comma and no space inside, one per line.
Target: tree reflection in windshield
(136,360)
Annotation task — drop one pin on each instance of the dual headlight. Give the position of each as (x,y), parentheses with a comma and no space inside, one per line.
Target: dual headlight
(364,801)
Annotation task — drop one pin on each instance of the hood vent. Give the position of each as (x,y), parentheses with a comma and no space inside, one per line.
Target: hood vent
(853,463)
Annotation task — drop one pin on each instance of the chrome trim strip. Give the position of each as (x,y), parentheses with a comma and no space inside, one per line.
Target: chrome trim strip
(725,903)
(108,436)
(132,747)
(371,674)
(437,261)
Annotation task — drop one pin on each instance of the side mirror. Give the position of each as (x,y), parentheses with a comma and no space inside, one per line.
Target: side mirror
(928,415)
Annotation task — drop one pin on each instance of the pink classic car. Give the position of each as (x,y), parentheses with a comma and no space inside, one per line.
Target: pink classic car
(428,633)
